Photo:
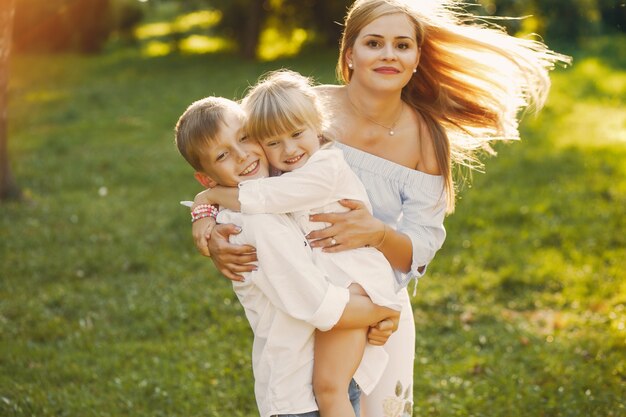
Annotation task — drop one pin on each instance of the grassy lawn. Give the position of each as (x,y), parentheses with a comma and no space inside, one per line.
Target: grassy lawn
(106,309)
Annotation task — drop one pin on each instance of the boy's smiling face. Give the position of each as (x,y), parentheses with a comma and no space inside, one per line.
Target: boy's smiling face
(232,157)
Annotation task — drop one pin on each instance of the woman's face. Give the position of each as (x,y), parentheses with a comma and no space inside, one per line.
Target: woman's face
(385,53)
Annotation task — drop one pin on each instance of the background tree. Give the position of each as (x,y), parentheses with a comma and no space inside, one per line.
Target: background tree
(243,21)
(324,18)
(62,25)
(613,14)
(8,188)
(567,21)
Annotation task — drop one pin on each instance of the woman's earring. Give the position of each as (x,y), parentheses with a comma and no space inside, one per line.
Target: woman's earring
(414,70)
(350,65)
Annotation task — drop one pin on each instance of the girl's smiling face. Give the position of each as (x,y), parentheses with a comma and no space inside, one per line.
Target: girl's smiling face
(291,150)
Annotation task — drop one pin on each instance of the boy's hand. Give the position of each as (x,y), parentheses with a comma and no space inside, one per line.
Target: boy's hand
(230,260)
(377,335)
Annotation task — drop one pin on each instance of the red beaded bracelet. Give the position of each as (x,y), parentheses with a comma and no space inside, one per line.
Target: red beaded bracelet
(204,210)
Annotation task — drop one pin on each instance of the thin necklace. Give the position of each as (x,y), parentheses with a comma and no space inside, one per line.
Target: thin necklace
(389,128)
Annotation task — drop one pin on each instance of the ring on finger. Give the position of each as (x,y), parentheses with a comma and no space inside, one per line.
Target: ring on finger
(333,241)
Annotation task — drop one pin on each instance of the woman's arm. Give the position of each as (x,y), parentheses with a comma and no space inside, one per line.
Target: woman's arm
(292,282)
(358,228)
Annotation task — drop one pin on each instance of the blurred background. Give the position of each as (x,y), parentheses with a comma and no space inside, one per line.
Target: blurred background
(106,309)
(263,29)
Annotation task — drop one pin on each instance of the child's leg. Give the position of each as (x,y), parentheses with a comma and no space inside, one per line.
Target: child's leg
(337,357)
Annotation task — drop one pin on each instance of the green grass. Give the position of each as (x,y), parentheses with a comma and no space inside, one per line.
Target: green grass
(107,310)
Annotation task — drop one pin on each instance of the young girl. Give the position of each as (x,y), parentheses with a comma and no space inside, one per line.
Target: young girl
(285,117)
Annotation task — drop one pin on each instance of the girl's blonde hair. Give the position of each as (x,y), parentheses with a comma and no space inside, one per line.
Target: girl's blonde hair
(472,79)
(282,101)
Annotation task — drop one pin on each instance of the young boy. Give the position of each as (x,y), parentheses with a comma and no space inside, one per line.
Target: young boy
(287,297)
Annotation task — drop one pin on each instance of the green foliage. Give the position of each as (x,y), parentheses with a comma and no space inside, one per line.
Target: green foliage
(246,20)
(559,20)
(127,14)
(106,308)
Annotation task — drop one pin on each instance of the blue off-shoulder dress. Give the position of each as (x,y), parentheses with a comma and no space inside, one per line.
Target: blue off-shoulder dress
(414,203)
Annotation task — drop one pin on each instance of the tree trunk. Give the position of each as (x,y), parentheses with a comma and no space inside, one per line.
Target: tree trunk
(328,25)
(8,187)
(252,35)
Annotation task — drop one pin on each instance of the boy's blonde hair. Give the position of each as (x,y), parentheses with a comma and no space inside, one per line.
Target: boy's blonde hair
(200,125)
(282,101)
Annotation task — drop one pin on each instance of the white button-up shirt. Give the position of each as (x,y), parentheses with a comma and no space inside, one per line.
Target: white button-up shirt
(285,300)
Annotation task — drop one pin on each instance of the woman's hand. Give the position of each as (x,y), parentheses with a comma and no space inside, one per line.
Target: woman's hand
(353,229)
(230,260)
(379,334)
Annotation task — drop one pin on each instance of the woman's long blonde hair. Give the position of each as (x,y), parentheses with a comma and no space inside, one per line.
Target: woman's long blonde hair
(472,81)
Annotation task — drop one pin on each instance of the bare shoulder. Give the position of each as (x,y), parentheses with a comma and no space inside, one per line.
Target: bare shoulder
(328,91)
(331,99)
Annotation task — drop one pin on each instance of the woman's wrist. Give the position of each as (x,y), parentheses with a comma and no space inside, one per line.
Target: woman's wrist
(379,237)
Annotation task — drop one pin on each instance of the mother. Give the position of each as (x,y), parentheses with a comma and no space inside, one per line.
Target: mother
(422,90)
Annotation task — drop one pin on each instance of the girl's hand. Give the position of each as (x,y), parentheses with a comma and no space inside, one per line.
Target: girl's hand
(354,229)
(230,260)
(379,334)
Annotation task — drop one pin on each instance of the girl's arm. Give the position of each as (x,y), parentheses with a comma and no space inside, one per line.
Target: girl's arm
(305,188)
(310,186)
(227,197)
